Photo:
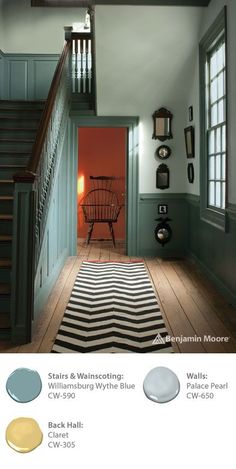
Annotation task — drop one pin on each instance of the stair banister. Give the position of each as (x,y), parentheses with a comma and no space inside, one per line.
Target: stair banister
(31,196)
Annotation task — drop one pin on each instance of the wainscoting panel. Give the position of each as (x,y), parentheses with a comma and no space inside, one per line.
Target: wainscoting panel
(1,74)
(43,73)
(212,249)
(18,79)
(27,76)
(56,244)
(148,212)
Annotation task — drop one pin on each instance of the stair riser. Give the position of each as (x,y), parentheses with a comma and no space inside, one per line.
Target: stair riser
(7,173)
(5,275)
(19,123)
(5,227)
(17,114)
(6,189)
(4,303)
(21,105)
(14,159)
(16,146)
(6,206)
(16,133)
(5,250)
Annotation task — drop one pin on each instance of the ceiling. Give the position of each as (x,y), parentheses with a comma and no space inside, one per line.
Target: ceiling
(84,3)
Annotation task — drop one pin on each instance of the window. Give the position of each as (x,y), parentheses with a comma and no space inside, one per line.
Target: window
(216,124)
(213,123)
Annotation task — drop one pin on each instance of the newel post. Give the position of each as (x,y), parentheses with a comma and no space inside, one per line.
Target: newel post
(22,297)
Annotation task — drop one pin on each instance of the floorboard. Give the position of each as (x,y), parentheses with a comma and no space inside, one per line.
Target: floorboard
(190,304)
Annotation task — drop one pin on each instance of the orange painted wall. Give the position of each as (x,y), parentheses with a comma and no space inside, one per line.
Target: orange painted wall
(102,152)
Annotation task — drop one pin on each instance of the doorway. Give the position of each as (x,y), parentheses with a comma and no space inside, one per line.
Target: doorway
(131,123)
(102,151)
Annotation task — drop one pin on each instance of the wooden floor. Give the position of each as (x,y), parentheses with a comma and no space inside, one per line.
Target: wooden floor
(191,306)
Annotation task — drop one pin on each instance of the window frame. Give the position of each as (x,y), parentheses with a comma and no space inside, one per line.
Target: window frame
(216,216)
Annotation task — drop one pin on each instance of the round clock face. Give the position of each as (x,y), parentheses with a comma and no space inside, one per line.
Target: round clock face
(163,152)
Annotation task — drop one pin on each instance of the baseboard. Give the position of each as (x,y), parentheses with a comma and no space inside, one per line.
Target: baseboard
(162,253)
(222,288)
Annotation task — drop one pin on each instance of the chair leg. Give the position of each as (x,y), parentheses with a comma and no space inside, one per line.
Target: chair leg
(112,233)
(90,230)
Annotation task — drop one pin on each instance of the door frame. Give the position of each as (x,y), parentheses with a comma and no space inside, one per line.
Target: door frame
(132,165)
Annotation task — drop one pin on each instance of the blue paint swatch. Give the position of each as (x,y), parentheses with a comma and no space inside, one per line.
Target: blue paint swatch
(24,385)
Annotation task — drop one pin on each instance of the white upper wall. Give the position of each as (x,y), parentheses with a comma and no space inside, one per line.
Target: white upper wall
(145,60)
(210,14)
(1,27)
(36,30)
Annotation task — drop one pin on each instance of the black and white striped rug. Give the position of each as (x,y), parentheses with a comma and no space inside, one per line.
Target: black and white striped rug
(112,308)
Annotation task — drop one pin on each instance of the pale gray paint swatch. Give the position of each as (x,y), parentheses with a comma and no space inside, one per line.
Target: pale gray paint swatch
(161,385)
(24,385)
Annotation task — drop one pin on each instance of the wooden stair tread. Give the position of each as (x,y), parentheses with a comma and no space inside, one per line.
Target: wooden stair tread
(6,217)
(14,152)
(5,238)
(3,166)
(16,140)
(23,101)
(5,288)
(6,197)
(6,129)
(6,181)
(5,262)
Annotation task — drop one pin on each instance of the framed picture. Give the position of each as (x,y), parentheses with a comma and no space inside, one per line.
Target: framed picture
(189,141)
(190,172)
(190,113)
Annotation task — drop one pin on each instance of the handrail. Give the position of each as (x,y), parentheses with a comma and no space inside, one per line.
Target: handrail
(30,173)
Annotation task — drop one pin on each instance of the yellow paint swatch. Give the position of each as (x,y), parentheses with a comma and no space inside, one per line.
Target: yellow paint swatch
(23,435)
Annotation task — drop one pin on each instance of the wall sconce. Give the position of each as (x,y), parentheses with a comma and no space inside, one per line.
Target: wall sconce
(162,124)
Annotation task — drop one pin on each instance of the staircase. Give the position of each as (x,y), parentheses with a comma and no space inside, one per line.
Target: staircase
(18,125)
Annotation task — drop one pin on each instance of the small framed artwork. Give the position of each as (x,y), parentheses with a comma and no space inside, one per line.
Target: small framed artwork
(190,172)
(190,113)
(189,141)
(162,177)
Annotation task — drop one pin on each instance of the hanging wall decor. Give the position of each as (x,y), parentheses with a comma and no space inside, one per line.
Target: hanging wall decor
(162,177)
(189,141)
(163,152)
(190,172)
(190,113)
(162,124)
(163,231)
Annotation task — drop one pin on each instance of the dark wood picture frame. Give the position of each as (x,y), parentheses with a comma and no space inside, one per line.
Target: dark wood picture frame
(190,172)
(189,141)
(162,121)
(162,177)
(190,113)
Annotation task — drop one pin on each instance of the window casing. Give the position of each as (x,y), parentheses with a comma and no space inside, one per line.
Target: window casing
(213,123)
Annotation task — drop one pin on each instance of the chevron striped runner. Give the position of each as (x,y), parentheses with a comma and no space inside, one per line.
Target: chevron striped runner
(112,308)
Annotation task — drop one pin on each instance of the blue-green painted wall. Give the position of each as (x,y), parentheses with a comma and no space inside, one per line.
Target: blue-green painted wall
(26,76)
(148,212)
(213,249)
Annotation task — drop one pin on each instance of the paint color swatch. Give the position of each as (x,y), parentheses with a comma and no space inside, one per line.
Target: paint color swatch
(23,435)
(161,385)
(24,385)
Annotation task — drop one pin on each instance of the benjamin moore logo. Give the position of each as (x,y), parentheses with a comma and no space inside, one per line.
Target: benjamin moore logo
(159,340)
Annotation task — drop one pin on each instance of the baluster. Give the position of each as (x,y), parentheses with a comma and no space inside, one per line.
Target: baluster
(76,65)
(90,65)
(86,66)
(81,66)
